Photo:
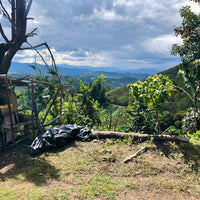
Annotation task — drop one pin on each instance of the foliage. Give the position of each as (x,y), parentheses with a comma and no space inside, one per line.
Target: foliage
(166,120)
(149,94)
(140,119)
(98,91)
(172,130)
(41,95)
(190,121)
(119,96)
(189,51)
(84,108)
(195,136)
(112,117)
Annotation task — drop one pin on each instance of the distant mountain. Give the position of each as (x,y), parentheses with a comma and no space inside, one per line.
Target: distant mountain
(114,77)
(70,70)
(21,67)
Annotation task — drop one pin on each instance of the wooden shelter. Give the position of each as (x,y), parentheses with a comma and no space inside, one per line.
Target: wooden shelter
(15,125)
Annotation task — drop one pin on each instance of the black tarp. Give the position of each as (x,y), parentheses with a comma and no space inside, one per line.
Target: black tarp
(59,136)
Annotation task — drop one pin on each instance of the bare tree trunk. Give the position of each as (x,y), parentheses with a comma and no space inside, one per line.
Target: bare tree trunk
(136,136)
(18,21)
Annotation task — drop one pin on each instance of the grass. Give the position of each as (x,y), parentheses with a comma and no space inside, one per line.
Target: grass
(94,170)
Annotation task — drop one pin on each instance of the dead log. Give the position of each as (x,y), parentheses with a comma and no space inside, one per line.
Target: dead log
(139,152)
(137,136)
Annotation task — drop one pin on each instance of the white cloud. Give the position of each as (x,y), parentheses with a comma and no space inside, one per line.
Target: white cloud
(123,33)
(77,58)
(194,6)
(161,45)
(109,15)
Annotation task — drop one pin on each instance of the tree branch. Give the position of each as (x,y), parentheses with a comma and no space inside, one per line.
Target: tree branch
(139,152)
(184,91)
(31,34)
(28,7)
(5,13)
(51,54)
(3,35)
(35,48)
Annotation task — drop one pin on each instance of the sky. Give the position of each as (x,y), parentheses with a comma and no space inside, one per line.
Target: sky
(126,34)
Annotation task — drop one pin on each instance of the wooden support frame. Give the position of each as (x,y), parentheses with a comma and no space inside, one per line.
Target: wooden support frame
(37,124)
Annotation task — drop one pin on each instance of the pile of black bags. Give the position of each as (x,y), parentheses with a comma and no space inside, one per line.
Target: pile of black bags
(59,136)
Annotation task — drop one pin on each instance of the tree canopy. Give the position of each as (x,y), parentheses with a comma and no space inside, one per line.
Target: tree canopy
(189,51)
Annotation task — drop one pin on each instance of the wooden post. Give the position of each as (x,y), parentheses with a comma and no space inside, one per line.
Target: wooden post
(9,110)
(32,111)
(61,96)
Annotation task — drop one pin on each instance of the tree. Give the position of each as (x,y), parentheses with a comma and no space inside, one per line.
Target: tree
(83,108)
(98,91)
(149,94)
(18,21)
(189,51)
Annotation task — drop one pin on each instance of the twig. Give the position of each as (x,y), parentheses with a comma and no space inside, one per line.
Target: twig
(139,152)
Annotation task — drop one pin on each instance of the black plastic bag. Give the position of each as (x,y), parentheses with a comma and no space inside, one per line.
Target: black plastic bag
(59,136)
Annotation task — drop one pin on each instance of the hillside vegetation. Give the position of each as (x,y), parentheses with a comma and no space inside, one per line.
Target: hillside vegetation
(180,101)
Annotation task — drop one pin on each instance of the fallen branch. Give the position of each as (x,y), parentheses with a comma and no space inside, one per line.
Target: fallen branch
(139,152)
(136,136)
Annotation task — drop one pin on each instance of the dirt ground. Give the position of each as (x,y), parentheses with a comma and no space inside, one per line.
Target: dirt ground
(95,170)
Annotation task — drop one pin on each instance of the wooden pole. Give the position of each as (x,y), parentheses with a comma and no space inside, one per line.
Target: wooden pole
(32,111)
(61,97)
(9,110)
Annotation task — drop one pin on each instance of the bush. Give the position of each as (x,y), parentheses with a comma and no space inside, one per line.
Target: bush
(173,131)
(191,121)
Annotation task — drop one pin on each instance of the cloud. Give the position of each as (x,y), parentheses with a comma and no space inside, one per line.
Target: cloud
(194,7)
(122,33)
(77,58)
(161,45)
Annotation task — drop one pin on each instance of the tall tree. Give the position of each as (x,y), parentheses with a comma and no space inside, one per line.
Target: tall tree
(149,94)
(18,22)
(17,17)
(189,51)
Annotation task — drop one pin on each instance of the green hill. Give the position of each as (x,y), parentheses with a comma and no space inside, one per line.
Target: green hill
(113,79)
(118,96)
(180,101)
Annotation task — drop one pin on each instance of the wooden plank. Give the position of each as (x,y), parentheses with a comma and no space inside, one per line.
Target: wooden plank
(16,125)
